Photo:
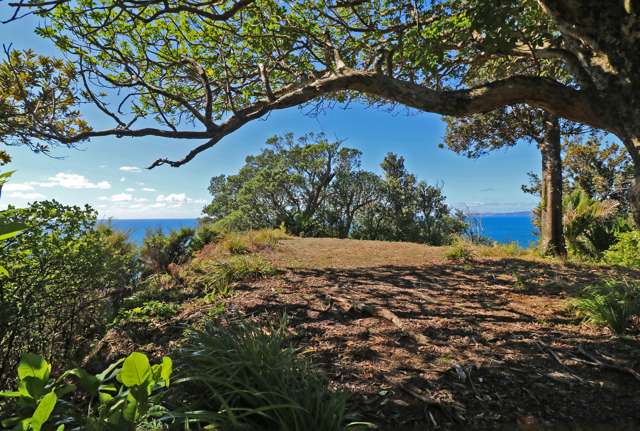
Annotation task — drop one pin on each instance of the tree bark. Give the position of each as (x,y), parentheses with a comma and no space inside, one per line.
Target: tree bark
(551,232)
(633,145)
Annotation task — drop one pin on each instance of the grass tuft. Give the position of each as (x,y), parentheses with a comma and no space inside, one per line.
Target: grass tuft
(612,303)
(216,277)
(246,377)
(460,252)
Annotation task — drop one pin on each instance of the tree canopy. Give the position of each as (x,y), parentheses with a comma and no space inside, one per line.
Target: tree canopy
(202,69)
(316,188)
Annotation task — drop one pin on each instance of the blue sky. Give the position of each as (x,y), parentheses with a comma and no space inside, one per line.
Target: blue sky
(109,174)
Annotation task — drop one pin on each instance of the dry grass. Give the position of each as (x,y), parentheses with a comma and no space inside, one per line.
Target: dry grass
(348,253)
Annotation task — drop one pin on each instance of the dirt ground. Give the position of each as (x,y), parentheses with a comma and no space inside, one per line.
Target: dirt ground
(423,343)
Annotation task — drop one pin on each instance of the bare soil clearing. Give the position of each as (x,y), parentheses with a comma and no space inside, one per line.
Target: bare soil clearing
(423,343)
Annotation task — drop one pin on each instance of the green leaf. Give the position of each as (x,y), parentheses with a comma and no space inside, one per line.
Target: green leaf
(88,382)
(131,409)
(4,177)
(11,394)
(32,365)
(106,373)
(31,387)
(135,370)
(9,230)
(167,369)
(43,411)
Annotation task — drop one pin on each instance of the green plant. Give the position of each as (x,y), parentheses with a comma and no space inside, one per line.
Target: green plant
(215,277)
(612,303)
(7,229)
(245,377)
(590,226)
(148,310)
(119,398)
(206,233)
(459,252)
(267,237)
(65,280)
(159,251)
(626,251)
(236,243)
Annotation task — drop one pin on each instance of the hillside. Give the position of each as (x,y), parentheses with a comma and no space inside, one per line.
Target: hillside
(424,342)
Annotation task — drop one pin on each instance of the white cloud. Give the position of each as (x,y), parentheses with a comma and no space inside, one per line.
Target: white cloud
(158,205)
(130,189)
(72,181)
(121,197)
(17,187)
(141,200)
(148,189)
(130,169)
(27,196)
(172,198)
(122,179)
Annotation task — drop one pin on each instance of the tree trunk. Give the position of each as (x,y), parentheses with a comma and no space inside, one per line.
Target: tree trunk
(635,189)
(552,238)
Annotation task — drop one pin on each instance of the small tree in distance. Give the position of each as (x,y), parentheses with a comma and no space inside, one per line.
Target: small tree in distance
(317,188)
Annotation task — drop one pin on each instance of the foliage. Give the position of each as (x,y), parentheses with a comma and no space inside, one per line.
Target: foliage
(408,210)
(590,226)
(119,398)
(148,310)
(612,303)
(215,277)
(159,251)
(38,100)
(288,183)
(245,377)
(235,243)
(460,252)
(205,234)
(7,229)
(511,249)
(626,250)
(601,169)
(64,280)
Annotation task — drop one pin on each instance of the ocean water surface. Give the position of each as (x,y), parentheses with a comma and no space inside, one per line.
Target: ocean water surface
(503,228)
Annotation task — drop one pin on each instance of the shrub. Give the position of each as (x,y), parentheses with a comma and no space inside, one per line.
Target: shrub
(147,311)
(122,397)
(64,281)
(459,252)
(268,238)
(590,226)
(511,249)
(205,234)
(215,277)
(626,251)
(244,377)
(159,251)
(236,243)
(611,303)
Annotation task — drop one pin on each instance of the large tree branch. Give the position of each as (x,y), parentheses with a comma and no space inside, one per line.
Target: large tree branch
(547,94)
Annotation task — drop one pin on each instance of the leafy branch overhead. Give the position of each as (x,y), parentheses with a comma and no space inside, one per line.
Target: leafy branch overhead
(203,69)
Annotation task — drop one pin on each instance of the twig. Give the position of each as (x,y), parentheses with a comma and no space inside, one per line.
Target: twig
(383,313)
(597,362)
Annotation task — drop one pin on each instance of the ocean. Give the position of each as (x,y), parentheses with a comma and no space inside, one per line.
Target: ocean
(503,228)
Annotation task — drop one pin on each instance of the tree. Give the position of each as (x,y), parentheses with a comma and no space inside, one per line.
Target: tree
(290,182)
(603,170)
(220,65)
(38,101)
(352,192)
(62,282)
(477,135)
(408,210)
